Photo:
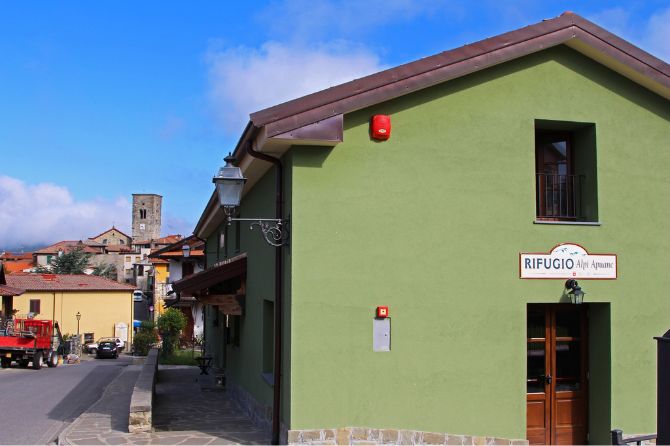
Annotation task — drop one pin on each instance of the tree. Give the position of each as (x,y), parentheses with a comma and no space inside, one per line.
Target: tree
(170,324)
(145,338)
(73,262)
(107,270)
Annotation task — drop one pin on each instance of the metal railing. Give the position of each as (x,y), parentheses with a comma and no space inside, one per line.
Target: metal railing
(559,196)
(617,438)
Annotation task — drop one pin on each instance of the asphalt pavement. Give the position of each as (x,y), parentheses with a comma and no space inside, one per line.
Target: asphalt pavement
(38,404)
(189,408)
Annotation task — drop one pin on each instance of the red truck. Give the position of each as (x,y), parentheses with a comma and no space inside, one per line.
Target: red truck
(30,340)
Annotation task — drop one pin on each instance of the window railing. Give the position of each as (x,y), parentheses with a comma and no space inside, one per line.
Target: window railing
(558,197)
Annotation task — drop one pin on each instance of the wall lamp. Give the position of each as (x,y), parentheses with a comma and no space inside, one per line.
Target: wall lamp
(229,186)
(575,291)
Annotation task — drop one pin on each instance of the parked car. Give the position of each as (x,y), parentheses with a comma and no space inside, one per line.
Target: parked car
(107,349)
(92,348)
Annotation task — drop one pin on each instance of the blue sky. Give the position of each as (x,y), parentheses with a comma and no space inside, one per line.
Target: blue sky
(100,100)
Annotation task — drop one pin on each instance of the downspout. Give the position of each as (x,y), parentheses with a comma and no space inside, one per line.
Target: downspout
(279,286)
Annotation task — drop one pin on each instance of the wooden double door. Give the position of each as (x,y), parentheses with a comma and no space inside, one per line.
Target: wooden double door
(557,387)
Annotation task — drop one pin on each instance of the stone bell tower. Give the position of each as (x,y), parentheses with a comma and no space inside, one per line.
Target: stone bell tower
(146,217)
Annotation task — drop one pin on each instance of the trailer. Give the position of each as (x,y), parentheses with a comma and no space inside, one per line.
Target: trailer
(30,340)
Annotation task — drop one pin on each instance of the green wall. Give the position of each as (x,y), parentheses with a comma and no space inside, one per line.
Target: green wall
(431,223)
(244,362)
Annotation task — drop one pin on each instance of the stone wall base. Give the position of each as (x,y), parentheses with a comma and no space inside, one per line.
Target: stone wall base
(368,436)
(260,414)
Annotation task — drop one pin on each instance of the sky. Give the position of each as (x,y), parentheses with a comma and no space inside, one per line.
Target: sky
(100,100)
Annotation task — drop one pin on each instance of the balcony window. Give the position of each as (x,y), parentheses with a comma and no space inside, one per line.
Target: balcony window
(565,172)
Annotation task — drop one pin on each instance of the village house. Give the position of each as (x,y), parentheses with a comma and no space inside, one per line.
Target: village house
(172,263)
(104,306)
(7,293)
(423,203)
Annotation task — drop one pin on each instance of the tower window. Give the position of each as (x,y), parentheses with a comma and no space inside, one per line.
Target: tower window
(143,213)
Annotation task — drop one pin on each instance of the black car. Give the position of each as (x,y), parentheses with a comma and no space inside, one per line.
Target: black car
(107,349)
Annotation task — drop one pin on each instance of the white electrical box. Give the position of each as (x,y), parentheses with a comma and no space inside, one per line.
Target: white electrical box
(381,335)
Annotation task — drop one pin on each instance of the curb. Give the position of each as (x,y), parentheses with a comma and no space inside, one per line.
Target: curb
(62,436)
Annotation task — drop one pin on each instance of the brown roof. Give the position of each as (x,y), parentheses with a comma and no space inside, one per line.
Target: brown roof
(6,290)
(64,282)
(67,246)
(109,230)
(568,28)
(219,272)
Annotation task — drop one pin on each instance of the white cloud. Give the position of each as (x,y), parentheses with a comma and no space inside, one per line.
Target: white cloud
(244,80)
(658,34)
(615,20)
(652,35)
(44,213)
(306,20)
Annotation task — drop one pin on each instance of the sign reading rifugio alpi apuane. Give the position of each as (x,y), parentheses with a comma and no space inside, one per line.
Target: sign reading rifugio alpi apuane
(567,261)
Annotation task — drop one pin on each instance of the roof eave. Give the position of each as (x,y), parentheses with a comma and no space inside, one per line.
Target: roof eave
(569,29)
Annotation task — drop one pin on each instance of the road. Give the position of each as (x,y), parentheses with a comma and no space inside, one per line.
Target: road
(38,404)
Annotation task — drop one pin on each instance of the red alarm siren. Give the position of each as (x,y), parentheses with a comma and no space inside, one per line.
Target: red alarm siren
(381,127)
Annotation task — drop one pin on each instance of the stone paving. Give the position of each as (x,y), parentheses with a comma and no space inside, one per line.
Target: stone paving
(189,409)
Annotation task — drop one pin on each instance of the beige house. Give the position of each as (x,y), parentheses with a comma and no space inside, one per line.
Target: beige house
(104,306)
(113,236)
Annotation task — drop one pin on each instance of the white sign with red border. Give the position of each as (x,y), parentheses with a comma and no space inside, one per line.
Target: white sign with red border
(567,261)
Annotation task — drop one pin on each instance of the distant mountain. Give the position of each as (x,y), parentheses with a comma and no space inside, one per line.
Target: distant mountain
(22,248)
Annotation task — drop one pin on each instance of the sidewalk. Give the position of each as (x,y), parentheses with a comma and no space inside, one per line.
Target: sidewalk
(188,409)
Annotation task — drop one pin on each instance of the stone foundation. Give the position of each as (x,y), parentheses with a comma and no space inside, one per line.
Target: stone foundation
(258,413)
(367,436)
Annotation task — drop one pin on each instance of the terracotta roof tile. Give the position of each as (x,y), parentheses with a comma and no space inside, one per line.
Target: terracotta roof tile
(63,282)
(169,239)
(16,256)
(194,242)
(14,267)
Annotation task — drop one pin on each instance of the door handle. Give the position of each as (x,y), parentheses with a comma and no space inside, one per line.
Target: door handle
(547,379)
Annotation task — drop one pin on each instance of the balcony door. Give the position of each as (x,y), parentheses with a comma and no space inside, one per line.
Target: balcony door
(556,184)
(557,391)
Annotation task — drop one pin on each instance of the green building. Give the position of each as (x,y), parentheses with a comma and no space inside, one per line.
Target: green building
(512,165)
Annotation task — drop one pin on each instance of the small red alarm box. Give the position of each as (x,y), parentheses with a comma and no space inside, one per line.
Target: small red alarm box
(381,127)
(382,312)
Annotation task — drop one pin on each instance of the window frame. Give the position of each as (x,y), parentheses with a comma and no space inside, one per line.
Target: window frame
(35,306)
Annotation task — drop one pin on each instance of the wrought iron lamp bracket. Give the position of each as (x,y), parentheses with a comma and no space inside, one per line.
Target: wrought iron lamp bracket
(275,231)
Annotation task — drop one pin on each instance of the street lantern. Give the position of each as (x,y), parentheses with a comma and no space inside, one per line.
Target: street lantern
(576,294)
(78,316)
(229,184)
(186,250)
